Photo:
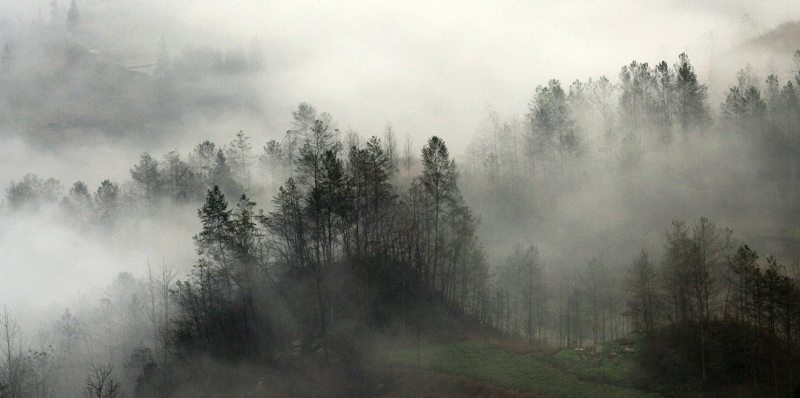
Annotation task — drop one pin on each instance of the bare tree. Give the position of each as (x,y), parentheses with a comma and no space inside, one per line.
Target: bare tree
(45,369)
(594,283)
(13,370)
(159,283)
(100,384)
(642,293)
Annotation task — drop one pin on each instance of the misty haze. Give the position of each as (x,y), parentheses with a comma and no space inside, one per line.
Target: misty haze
(522,199)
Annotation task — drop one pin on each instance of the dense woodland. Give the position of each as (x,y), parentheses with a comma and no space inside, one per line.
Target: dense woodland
(370,238)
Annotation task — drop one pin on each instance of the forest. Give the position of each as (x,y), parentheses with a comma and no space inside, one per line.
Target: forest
(605,213)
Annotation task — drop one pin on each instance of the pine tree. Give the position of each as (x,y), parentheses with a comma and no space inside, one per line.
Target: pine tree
(106,200)
(692,110)
(148,176)
(222,176)
(305,118)
(240,158)
(439,179)
(665,93)
(214,215)
(78,202)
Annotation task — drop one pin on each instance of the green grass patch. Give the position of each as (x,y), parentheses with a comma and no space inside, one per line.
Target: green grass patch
(611,365)
(522,372)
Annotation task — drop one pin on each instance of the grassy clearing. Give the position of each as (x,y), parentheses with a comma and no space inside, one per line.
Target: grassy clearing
(521,372)
(609,366)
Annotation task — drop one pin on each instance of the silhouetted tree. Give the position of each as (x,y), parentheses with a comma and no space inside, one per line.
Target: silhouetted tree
(439,179)
(521,276)
(665,86)
(106,200)
(32,192)
(14,371)
(636,81)
(690,95)
(222,176)
(148,176)
(78,203)
(240,159)
(203,159)
(101,384)
(553,137)
(274,161)
(602,94)
(595,287)
(643,294)
(215,217)
(305,118)
(179,181)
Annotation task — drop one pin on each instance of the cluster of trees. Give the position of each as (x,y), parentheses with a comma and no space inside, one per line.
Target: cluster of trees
(713,313)
(571,133)
(584,306)
(757,107)
(342,246)
(350,246)
(348,243)
(172,180)
(236,168)
(519,302)
(651,102)
(33,193)
(104,350)
(177,180)
(643,110)
(280,156)
(767,116)
(705,304)
(710,313)
(603,130)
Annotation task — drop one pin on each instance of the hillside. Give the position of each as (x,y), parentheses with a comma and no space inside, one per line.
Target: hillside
(783,39)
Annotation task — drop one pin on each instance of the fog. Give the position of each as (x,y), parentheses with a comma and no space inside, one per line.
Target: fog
(614,216)
(426,68)
(434,67)
(82,103)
